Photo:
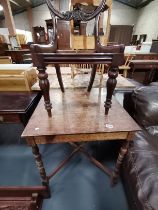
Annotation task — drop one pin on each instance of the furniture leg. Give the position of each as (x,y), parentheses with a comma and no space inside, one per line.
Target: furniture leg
(40,166)
(120,158)
(125,73)
(44,85)
(93,73)
(58,72)
(101,76)
(111,84)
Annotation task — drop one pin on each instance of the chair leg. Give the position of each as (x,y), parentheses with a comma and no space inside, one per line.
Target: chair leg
(44,85)
(58,72)
(111,84)
(101,76)
(93,73)
(125,73)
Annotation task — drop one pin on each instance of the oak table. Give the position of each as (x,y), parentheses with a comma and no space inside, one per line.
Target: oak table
(78,117)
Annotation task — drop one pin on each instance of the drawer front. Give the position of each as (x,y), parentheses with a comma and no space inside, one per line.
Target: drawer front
(9,118)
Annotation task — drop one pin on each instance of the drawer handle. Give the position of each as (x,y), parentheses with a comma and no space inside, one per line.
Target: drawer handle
(1,119)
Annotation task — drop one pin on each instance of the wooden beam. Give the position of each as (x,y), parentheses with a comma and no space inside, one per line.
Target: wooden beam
(14,2)
(30,18)
(9,21)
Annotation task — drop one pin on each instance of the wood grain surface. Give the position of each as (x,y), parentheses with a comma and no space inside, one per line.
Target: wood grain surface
(76,112)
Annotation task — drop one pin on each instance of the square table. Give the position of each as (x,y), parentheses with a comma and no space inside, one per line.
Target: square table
(79,117)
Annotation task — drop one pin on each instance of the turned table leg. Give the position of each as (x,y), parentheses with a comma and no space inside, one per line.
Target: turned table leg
(111,84)
(44,85)
(40,166)
(120,158)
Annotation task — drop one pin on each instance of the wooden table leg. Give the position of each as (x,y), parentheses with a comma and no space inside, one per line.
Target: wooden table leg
(120,158)
(40,166)
(44,85)
(93,73)
(58,72)
(111,84)
(125,73)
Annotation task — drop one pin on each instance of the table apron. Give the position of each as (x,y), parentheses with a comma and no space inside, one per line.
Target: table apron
(78,138)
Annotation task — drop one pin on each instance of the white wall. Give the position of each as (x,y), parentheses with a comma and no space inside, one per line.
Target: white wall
(40,14)
(123,15)
(21,21)
(148,21)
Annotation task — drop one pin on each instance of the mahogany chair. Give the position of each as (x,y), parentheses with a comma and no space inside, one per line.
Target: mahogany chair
(48,54)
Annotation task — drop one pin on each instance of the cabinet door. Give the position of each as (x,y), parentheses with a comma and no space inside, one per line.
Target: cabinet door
(63,34)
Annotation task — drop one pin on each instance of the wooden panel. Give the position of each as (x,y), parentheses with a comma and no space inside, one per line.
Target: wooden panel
(9,118)
(80,138)
(17,55)
(121,34)
(5,60)
(63,34)
(16,102)
(85,42)
(76,112)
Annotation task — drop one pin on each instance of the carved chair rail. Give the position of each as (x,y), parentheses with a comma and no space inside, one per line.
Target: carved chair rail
(41,60)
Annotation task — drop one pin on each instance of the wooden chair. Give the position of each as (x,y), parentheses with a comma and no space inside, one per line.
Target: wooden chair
(78,14)
(126,66)
(44,55)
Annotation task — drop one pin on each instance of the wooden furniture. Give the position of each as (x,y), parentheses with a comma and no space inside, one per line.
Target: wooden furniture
(31,201)
(121,34)
(5,60)
(44,55)
(154,47)
(146,65)
(17,77)
(63,34)
(145,56)
(39,36)
(3,48)
(79,117)
(17,107)
(125,68)
(17,55)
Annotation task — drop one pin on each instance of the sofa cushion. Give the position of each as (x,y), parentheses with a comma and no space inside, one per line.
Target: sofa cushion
(141,171)
(145,101)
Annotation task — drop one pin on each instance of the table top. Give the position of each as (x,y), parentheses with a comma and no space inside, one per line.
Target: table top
(77,112)
(16,102)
